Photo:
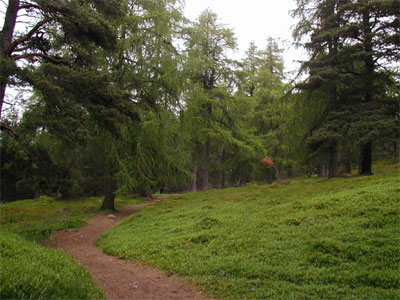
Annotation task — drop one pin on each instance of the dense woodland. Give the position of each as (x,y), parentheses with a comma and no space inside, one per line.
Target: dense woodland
(131,97)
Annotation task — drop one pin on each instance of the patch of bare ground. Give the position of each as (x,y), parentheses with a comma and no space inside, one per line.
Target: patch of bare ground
(120,279)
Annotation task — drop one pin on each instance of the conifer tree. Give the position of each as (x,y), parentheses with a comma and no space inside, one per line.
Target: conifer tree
(207,47)
(348,41)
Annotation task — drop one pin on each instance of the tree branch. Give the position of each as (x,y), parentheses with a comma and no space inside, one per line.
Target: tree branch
(26,5)
(42,55)
(22,39)
(5,127)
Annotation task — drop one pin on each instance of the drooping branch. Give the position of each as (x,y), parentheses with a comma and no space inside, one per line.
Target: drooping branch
(25,5)
(5,127)
(27,36)
(42,55)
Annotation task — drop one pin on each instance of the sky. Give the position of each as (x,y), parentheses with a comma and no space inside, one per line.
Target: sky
(253,20)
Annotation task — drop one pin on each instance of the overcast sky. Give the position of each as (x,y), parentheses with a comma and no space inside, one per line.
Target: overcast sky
(253,20)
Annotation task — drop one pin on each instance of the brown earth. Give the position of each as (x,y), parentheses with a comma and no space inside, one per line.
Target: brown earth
(120,279)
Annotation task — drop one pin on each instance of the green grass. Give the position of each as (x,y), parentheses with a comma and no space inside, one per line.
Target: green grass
(313,239)
(37,219)
(31,271)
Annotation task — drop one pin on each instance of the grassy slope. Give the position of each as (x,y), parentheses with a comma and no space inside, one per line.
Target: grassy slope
(31,271)
(312,239)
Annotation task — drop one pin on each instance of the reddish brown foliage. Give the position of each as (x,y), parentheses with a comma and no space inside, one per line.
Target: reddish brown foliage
(268,162)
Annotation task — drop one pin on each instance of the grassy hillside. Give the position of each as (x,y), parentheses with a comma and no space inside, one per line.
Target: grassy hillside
(31,271)
(313,239)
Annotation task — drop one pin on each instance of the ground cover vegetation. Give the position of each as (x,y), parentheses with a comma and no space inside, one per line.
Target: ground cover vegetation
(32,271)
(313,239)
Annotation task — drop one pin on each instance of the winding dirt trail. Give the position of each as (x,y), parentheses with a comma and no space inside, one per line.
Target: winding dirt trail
(120,279)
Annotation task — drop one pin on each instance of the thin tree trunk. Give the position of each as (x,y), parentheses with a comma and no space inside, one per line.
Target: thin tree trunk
(6,37)
(193,181)
(347,166)
(223,175)
(270,176)
(109,194)
(323,171)
(365,163)
(333,161)
(289,171)
(206,164)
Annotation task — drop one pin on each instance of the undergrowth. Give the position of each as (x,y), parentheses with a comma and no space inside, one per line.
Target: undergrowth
(313,239)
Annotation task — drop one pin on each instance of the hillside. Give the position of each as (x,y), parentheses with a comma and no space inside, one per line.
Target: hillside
(312,239)
(315,238)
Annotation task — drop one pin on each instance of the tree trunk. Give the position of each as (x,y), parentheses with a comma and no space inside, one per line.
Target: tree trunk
(146,192)
(347,166)
(109,194)
(270,176)
(206,164)
(249,178)
(323,171)
(333,161)
(289,171)
(193,181)
(365,163)
(223,175)
(3,86)
(6,37)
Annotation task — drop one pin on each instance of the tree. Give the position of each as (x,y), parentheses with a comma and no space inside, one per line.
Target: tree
(375,37)
(145,68)
(56,34)
(113,61)
(261,81)
(207,46)
(348,42)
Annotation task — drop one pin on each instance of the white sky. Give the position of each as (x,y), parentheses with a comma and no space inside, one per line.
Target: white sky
(253,20)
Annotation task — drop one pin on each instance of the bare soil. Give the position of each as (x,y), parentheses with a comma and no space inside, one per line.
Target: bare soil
(120,279)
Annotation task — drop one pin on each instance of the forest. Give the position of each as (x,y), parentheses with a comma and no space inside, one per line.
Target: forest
(140,159)
(130,97)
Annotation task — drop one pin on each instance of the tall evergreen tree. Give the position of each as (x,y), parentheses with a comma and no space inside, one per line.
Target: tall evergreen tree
(207,46)
(347,42)
(261,82)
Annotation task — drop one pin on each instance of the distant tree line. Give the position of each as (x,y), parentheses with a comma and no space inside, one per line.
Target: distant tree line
(131,97)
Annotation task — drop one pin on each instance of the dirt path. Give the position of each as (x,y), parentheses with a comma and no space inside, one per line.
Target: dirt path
(120,279)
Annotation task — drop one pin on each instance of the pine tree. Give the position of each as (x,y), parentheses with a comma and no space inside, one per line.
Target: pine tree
(348,40)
